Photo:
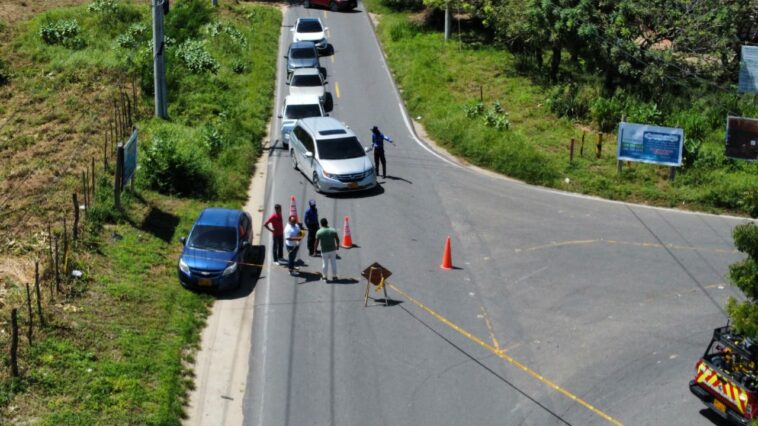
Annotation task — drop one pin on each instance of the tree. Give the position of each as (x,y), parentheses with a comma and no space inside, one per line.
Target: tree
(744,275)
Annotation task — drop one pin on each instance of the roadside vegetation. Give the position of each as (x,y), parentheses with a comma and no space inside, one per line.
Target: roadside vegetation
(119,338)
(519,79)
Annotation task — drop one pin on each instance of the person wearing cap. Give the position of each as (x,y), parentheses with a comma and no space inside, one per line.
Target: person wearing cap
(377,144)
(311,222)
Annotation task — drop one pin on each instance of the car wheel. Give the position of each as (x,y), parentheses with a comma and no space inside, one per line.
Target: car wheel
(306,4)
(333,6)
(316,183)
(294,160)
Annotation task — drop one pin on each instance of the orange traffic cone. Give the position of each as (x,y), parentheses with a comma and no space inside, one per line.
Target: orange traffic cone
(293,208)
(347,240)
(447,259)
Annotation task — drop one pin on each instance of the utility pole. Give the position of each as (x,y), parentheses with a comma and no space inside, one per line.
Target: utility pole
(159,62)
(447,21)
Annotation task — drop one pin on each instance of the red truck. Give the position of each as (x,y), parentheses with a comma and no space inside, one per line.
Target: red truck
(726,377)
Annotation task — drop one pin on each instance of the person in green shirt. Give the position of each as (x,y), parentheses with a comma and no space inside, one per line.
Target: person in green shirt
(330,242)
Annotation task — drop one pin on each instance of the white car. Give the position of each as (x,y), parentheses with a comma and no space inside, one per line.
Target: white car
(296,107)
(307,82)
(310,29)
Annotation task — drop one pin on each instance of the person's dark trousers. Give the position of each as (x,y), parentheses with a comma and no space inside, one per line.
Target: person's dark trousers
(312,239)
(292,256)
(379,156)
(278,250)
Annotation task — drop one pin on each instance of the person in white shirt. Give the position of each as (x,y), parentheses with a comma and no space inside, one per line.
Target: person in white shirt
(292,237)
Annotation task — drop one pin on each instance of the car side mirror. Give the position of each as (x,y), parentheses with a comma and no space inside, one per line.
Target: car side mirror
(286,56)
(279,116)
(326,28)
(292,30)
(308,154)
(183,240)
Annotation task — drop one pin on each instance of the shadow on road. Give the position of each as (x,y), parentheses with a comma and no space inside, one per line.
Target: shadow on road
(398,178)
(714,418)
(384,302)
(343,281)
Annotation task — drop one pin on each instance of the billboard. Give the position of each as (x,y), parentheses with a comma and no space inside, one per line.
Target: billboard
(748,70)
(130,159)
(742,138)
(650,144)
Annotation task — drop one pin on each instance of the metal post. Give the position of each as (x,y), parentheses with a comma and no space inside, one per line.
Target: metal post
(119,171)
(159,63)
(447,21)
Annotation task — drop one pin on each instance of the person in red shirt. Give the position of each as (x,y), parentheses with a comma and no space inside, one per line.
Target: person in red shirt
(275,224)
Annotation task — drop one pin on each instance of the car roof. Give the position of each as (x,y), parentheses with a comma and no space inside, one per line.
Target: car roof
(309,19)
(214,216)
(306,71)
(301,100)
(327,127)
(303,45)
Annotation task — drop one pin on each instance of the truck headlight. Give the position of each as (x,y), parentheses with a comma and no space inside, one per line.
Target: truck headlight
(230,269)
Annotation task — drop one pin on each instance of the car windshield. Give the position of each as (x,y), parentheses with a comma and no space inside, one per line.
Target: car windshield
(339,149)
(306,81)
(303,53)
(303,111)
(215,238)
(309,27)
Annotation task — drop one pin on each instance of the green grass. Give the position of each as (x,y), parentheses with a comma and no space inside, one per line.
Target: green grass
(438,80)
(120,342)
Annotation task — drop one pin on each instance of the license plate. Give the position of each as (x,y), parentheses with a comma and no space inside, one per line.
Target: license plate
(204,282)
(352,185)
(719,405)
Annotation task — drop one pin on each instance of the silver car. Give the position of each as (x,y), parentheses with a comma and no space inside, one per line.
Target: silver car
(296,107)
(330,155)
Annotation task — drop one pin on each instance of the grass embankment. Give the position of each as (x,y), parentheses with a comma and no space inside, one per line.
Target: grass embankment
(441,83)
(118,340)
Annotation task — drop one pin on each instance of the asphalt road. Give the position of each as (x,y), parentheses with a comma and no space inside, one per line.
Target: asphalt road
(562,310)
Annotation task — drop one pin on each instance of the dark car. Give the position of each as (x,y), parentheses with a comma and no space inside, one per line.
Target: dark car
(333,5)
(219,241)
(302,54)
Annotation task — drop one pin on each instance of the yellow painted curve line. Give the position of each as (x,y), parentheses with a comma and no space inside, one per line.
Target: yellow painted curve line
(508,358)
(555,244)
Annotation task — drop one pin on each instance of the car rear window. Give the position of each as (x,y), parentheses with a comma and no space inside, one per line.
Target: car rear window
(306,81)
(339,149)
(303,111)
(309,27)
(303,53)
(216,238)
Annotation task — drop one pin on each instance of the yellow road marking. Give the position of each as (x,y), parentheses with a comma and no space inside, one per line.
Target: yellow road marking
(507,358)
(324,13)
(491,330)
(555,244)
(332,57)
(337,88)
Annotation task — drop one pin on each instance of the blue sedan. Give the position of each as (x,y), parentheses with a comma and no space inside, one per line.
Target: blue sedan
(220,241)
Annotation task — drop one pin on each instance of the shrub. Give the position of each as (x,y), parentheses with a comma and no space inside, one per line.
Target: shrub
(399,5)
(472,110)
(5,73)
(239,67)
(606,112)
(194,56)
(171,170)
(642,112)
(187,19)
(213,140)
(134,36)
(215,29)
(64,32)
(571,101)
(403,29)
(111,13)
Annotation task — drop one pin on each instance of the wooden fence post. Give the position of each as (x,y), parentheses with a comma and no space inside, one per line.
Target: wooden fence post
(119,172)
(14,342)
(75,228)
(57,269)
(84,190)
(581,148)
(134,98)
(571,150)
(94,187)
(31,314)
(599,145)
(39,296)
(65,247)
(105,152)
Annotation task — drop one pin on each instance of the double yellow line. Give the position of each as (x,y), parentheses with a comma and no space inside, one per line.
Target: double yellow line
(502,355)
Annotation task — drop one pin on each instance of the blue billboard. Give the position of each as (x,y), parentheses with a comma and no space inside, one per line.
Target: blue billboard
(748,82)
(650,144)
(130,159)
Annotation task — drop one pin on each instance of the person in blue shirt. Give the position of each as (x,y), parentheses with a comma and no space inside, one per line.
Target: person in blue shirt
(377,144)
(311,222)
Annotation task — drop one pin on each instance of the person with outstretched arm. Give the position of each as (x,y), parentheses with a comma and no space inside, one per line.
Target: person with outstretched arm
(377,144)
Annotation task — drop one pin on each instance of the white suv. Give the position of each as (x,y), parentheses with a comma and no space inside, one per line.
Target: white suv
(297,107)
(330,155)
